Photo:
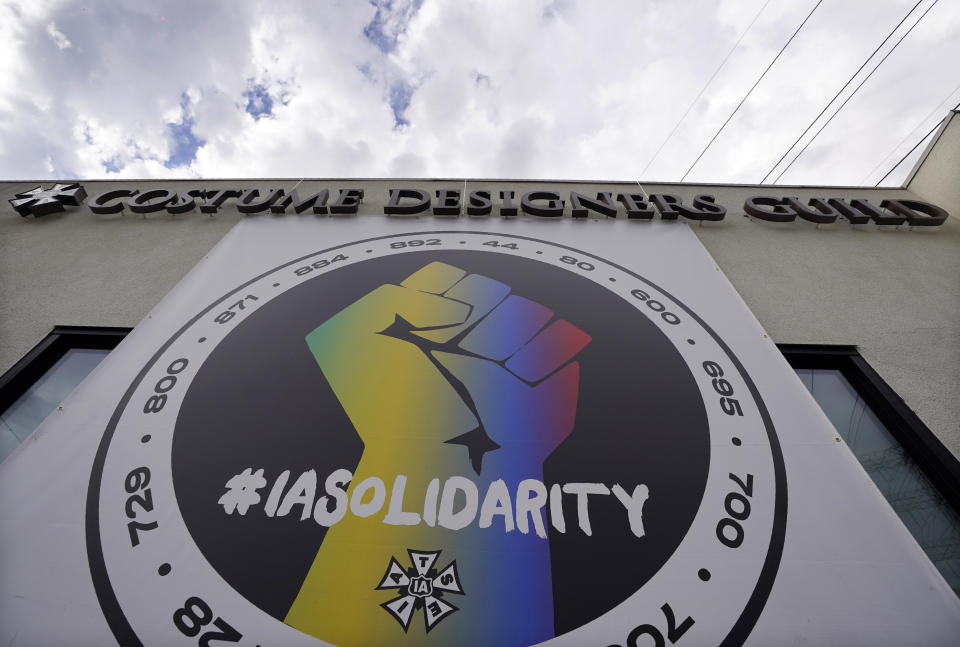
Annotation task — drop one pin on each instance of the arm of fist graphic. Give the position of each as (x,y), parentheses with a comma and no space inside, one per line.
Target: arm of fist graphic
(455,358)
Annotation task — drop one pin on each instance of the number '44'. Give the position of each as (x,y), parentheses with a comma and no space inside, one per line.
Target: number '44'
(496,243)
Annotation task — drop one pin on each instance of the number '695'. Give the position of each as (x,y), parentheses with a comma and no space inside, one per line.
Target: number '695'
(730,406)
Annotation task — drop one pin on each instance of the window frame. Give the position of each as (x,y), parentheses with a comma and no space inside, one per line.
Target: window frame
(936,461)
(20,377)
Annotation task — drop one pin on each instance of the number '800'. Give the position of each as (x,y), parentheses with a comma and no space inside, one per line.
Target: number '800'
(156,402)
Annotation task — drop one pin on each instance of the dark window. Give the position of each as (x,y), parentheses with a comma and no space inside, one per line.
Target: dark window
(36,385)
(915,473)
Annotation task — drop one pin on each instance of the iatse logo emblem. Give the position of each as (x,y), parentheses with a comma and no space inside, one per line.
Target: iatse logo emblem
(420,586)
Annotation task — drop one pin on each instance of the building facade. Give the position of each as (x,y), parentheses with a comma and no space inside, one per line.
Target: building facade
(858,287)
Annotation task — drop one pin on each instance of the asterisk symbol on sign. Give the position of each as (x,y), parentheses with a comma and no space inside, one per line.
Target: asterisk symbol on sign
(39,201)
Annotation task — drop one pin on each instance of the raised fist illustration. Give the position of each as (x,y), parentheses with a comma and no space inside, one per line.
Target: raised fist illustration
(443,375)
(446,359)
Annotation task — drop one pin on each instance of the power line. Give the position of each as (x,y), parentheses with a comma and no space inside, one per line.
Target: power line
(852,94)
(750,91)
(840,91)
(704,88)
(907,136)
(917,145)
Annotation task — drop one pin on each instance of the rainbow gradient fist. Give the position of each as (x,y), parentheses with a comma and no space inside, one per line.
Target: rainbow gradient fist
(453,358)
(444,376)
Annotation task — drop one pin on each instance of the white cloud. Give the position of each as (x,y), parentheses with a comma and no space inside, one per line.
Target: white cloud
(58,37)
(570,89)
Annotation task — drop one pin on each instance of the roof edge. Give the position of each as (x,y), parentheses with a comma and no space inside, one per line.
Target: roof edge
(461,180)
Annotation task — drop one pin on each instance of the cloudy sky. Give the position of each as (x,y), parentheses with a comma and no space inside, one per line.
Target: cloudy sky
(572,89)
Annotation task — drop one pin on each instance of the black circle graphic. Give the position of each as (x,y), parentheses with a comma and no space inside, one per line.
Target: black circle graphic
(743,624)
(640,419)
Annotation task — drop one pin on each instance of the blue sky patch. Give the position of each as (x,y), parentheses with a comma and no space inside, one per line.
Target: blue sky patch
(259,101)
(366,70)
(400,95)
(112,165)
(389,22)
(185,142)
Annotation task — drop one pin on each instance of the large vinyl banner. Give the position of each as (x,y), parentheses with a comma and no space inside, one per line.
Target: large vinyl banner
(377,431)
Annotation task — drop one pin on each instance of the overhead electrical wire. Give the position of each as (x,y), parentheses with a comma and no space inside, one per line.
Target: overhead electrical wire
(840,91)
(750,91)
(857,89)
(907,136)
(917,145)
(704,88)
